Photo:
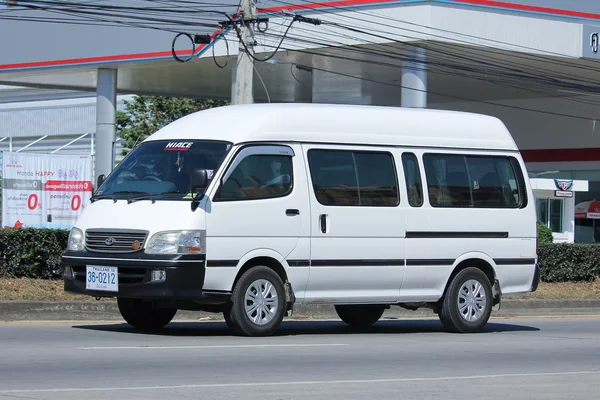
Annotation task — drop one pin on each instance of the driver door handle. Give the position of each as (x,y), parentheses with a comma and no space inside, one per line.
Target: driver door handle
(292,212)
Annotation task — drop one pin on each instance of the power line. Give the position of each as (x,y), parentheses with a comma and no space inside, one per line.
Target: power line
(336,8)
(149,15)
(432,66)
(102,13)
(490,50)
(100,17)
(450,53)
(580,117)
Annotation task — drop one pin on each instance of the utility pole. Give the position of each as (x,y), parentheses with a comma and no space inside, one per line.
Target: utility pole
(244,73)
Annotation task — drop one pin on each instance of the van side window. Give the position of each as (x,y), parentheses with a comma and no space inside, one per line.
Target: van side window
(354,178)
(412,175)
(471,181)
(258,177)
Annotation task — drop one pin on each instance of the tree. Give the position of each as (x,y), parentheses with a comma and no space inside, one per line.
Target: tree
(144,115)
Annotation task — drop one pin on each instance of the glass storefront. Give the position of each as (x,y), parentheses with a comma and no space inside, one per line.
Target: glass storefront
(550,211)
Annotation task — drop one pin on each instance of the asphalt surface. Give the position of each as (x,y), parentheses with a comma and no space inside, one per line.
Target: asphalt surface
(412,359)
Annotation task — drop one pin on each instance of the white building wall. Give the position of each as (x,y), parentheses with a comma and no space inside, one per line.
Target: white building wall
(508,30)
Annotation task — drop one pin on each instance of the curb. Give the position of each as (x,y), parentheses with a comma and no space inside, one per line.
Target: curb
(108,311)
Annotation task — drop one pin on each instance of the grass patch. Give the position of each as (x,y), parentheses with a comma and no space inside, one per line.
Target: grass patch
(36,290)
(52,290)
(565,291)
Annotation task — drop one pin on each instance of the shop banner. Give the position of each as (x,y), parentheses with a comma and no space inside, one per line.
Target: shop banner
(44,190)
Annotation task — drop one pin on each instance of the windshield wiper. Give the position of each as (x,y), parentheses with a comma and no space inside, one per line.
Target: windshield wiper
(148,196)
(111,195)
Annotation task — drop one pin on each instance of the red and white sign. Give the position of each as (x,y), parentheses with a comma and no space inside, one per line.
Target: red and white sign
(44,190)
(588,209)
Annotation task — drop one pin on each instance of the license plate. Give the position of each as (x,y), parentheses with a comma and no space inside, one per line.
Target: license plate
(102,278)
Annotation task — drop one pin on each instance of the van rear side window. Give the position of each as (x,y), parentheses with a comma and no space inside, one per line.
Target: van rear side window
(354,178)
(412,175)
(472,181)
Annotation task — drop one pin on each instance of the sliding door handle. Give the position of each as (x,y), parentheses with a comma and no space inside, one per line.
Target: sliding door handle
(290,212)
(323,220)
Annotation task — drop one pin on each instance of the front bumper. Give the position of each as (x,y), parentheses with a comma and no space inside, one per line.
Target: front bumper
(184,276)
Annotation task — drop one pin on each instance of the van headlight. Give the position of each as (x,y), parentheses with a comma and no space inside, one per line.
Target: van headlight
(177,242)
(76,242)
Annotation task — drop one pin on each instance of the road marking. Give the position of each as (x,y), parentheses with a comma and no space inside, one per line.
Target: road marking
(547,317)
(225,346)
(300,383)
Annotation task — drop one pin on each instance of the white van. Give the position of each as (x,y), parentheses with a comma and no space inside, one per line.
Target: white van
(249,210)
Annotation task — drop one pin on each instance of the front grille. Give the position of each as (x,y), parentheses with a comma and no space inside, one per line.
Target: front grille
(127,275)
(114,241)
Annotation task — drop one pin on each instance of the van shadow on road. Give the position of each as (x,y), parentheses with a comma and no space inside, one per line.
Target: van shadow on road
(302,328)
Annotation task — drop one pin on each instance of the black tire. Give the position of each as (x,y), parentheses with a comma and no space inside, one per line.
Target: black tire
(235,314)
(360,316)
(142,315)
(450,314)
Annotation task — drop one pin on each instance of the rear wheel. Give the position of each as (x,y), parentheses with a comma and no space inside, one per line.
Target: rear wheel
(467,304)
(360,315)
(143,315)
(257,303)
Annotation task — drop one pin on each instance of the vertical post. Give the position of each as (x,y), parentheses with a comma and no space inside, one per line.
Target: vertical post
(106,112)
(245,63)
(93,157)
(414,78)
(568,217)
(233,81)
(10,144)
(92,144)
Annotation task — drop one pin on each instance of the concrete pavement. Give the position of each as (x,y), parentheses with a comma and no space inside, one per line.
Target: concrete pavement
(516,359)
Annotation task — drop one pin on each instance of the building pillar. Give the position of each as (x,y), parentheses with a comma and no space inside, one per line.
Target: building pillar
(414,78)
(106,112)
(569,218)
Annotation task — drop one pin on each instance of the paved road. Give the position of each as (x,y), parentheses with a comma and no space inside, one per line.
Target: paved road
(414,359)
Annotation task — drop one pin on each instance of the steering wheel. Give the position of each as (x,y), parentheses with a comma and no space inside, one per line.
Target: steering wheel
(151,178)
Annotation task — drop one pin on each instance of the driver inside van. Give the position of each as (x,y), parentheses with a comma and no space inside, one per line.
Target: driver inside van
(185,163)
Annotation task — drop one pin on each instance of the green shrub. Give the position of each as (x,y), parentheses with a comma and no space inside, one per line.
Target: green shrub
(544,233)
(32,253)
(36,253)
(567,262)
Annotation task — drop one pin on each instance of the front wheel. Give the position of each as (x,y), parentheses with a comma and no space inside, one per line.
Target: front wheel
(258,303)
(142,315)
(467,304)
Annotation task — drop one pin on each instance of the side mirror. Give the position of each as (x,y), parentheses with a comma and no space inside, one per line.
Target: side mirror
(101,180)
(199,178)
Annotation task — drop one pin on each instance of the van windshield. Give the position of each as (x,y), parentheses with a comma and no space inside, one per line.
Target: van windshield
(162,169)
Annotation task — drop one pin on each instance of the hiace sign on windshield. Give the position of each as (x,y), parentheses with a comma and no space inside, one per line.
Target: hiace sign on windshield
(44,190)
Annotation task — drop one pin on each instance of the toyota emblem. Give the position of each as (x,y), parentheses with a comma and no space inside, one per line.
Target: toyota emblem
(109,241)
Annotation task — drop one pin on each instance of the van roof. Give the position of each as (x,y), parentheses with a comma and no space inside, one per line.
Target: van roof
(341,124)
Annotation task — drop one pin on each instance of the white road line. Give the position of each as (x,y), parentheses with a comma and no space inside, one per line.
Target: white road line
(225,346)
(299,383)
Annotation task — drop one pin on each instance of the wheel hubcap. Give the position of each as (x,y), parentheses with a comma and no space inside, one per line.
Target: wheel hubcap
(261,302)
(472,300)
